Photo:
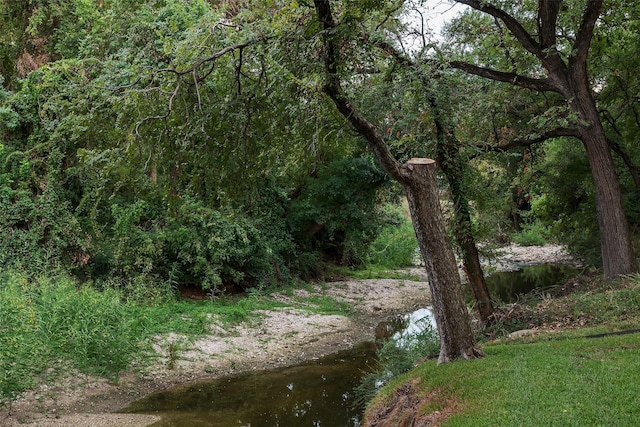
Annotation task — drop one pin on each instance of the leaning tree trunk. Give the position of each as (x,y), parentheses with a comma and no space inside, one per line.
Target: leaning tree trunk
(418,178)
(450,311)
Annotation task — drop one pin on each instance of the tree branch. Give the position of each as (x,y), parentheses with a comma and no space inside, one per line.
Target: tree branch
(542,85)
(549,57)
(333,89)
(512,24)
(554,133)
(213,57)
(585,33)
(547,19)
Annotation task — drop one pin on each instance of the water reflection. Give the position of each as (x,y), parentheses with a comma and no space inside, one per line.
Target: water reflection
(507,286)
(318,394)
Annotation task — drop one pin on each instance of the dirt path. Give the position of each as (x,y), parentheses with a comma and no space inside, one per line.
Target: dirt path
(281,338)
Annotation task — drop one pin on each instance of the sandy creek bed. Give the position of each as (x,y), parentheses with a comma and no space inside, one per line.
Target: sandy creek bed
(282,338)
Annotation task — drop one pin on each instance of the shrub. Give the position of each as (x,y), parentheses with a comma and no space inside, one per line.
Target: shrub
(531,235)
(38,229)
(194,245)
(336,212)
(396,245)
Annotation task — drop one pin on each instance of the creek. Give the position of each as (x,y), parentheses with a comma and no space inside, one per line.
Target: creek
(317,393)
(509,286)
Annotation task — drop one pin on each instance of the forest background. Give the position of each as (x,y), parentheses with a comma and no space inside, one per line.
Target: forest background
(148,146)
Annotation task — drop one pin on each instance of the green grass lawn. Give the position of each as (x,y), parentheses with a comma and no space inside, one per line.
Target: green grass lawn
(558,378)
(567,382)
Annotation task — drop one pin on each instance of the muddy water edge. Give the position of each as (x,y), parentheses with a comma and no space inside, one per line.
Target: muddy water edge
(318,393)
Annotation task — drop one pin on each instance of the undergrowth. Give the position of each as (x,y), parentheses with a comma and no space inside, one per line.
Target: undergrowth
(582,301)
(399,354)
(50,325)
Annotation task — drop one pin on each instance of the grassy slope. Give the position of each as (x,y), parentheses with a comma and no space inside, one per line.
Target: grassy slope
(557,378)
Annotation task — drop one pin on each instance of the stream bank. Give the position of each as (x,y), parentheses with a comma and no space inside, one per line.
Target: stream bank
(281,338)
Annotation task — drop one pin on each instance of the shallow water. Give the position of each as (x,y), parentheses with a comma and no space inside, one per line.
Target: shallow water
(318,393)
(508,286)
(315,394)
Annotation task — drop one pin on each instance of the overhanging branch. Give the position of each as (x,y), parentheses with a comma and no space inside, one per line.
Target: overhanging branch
(542,85)
(213,57)
(333,89)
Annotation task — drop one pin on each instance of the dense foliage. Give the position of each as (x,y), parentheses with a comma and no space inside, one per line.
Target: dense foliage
(140,143)
(118,168)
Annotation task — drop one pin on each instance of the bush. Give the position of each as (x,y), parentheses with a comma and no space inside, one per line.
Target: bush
(396,245)
(195,245)
(337,211)
(37,227)
(531,235)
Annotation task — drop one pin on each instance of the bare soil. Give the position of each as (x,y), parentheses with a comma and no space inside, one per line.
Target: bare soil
(276,338)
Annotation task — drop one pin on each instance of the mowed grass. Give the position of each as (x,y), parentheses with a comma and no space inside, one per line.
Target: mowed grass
(557,378)
(570,382)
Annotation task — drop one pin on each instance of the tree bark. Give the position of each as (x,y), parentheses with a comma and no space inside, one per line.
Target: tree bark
(618,256)
(448,157)
(418,179)
(450,311)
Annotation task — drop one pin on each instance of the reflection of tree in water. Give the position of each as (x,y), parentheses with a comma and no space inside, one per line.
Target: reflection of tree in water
(539,274)
(506,286)
(317,393)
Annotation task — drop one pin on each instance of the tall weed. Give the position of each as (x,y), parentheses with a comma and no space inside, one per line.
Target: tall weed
(48,321)
(401,353)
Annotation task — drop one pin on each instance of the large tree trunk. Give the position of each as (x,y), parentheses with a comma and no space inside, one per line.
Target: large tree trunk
(618,256)
(452,318)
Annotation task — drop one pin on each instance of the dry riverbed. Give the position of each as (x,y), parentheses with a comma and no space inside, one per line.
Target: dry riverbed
(278,338)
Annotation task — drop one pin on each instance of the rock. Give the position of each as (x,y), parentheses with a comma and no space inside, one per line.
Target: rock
(523,333)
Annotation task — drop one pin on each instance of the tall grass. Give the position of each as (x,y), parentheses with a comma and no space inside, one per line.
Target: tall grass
(53,324)
(395,247)
(48,322)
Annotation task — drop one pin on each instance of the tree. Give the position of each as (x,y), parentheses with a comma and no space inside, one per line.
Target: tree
(453,167)
(565,63)
(452,164)
(417,176)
